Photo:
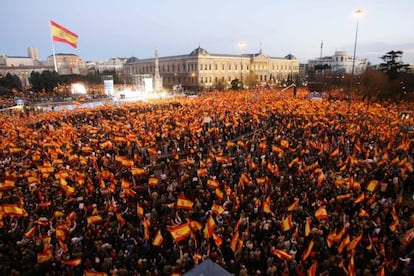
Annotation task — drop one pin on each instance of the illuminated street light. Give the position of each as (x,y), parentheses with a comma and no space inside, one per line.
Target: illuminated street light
(357,13)
(241,46)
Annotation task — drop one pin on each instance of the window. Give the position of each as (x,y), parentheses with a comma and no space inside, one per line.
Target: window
(209,67)
(229,66)
(223,67)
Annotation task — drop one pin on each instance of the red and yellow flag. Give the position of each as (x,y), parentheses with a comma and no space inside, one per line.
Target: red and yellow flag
(158,239)
(372,185)
(94,219)
(321,213)
(12,210)
(32,231)
(307,226)
(213,183)
(153,181)
(234,241)
(94,273)
(281,254)
(217,239)
(140,210)
(355,241)
(202,172)
(307,251)
(180,232)
(293,205)
(287,223)
(72,262)
(184,203)
(266,205)
(312,269)
(61,34)
(343,244)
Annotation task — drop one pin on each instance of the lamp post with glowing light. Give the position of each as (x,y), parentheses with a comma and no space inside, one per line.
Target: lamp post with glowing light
(357,13)
(241,46)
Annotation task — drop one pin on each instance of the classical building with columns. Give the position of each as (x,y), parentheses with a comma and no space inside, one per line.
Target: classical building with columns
(201,69)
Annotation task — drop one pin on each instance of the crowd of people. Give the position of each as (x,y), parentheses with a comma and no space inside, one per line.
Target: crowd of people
(260,183)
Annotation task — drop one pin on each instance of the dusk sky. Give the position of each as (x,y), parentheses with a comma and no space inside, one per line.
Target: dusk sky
(128,28)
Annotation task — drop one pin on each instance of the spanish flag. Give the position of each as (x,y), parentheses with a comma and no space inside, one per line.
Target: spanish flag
(343,244)
(213,183)
(372,185)
(287,223)
(45,256)
(351,266)
(120,220)
(281,254)
(355,241)
(94,219)
(284,143)
(202,172)
(234,241)
(195,225)
(73,262)
(32,231)
(321,213)
(266,206)
(184,203)
(140,210)
(158,239)
(12,210)
(180,232)
(94,273)
(307,251)
(293,205)
(217,209)
(61,34)
(152,181)
(137,171)
(360,198)
(312,269)
(217,239)
(307,226)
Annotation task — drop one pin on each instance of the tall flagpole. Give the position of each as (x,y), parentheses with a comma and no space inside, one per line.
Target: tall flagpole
(53,48)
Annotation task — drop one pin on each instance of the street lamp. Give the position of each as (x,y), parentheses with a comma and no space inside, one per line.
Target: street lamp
(241,46)
(357,13)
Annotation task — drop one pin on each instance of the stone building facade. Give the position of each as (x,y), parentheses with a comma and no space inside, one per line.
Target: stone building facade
(200,69)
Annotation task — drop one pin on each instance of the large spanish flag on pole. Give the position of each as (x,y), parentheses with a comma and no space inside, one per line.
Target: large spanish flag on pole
(61,34)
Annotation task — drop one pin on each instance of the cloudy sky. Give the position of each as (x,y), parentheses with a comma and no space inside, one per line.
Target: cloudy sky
(126,28)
